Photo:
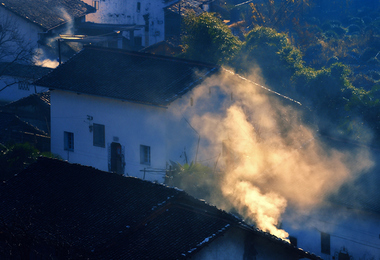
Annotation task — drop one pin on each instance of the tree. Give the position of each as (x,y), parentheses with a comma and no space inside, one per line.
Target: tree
(14,48)
(197,179)
(13,44)
(208,39)
(273,53)
(278,15)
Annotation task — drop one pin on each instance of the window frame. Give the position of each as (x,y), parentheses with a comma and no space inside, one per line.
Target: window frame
(325,243)
(145,154)
(138,7)
(68,141)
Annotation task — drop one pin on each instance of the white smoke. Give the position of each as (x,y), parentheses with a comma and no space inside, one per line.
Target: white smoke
(271,160)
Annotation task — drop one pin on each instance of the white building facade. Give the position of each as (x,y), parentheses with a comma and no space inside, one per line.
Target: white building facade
(110,109)
(108,134)
(146,13)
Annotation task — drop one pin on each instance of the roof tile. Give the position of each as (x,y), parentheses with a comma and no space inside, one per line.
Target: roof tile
(48,13)
(125,75)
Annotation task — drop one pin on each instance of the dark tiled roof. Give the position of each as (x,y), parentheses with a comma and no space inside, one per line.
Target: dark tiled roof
(11,122)
(48,13)
(108,216)
(22,70)
(41,99)
(166,48)
(133,76)
(33,109)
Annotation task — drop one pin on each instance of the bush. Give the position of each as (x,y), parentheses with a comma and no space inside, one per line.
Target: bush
(368,54)
(272,52)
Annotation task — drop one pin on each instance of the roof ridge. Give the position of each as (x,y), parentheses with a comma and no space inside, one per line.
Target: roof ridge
(153,56)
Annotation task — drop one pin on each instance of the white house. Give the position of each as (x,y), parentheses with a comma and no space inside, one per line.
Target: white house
(109,108)
(112,109)
(147,16)
(16,81)
(37,23)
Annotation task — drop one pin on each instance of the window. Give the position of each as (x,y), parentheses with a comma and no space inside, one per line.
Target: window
(99,135)
(325,243)
(69,141)
(137,41)
(145,154)
(138,7)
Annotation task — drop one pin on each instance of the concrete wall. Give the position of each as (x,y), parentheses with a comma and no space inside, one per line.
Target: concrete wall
(129,124)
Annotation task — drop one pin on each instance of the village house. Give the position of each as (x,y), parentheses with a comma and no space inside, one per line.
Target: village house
(27,121)
(16,81)
(38,24)
(139,23)
(135,25)
(33,109)
(113,109)
(109,108)
(54,209)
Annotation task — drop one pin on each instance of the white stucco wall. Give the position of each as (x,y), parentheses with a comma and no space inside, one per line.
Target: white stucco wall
(130,123)
(25,29)
(12,91)
(126,12)
(356,231)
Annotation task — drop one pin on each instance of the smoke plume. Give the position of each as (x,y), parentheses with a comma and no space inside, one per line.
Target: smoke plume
(270,159)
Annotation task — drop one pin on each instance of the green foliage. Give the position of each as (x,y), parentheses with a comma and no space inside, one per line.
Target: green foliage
(326,88)
(16,157)
(208,39)
(278,14)
(195,178)
(273,53)
(265,36)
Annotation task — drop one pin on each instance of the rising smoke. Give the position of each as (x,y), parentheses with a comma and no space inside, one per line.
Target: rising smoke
(47,57)
(271,160)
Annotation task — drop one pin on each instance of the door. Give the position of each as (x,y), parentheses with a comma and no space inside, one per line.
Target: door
(116,159)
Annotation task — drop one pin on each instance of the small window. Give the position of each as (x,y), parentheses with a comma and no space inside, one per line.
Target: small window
(138,40)
(99,135)
(325,243)
(138,7)
(145,154)
(69,141)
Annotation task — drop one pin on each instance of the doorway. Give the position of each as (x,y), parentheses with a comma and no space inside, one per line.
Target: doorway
(117,164)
